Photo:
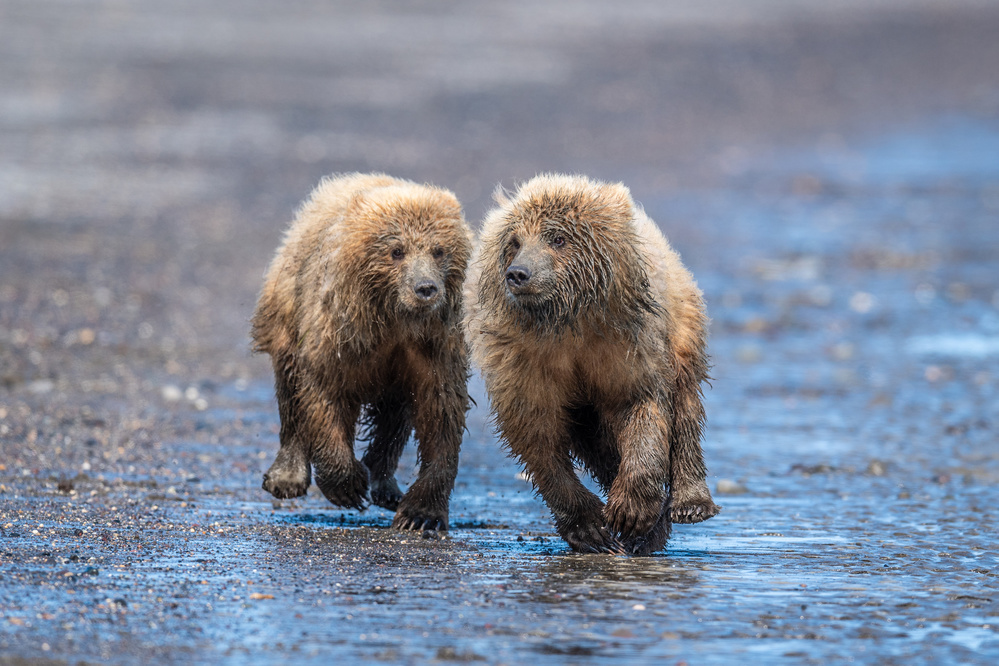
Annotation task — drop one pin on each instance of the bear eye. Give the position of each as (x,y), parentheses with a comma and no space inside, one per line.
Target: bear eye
(438,253)
(515,243)
(558,241)
(398,253)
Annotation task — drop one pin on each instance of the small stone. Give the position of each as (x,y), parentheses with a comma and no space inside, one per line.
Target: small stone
(863,302)
(876,468)
(171,393)
(842,351)
(749,354)
(730,487)
(41,386)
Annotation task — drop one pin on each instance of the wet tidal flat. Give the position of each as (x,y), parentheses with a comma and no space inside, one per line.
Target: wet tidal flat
(845,554)
(851,442)
(829,175)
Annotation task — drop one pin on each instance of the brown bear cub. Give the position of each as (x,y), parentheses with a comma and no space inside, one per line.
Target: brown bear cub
(361,313)
(591,338)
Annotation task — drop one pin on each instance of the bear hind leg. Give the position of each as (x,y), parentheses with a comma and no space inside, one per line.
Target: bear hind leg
(388,423)
(592,444)
(439,419)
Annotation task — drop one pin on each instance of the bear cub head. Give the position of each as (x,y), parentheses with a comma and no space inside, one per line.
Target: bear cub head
(564,252)
(413,245)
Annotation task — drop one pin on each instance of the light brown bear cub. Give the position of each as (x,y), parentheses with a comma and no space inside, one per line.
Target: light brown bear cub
(361,313)
(591,338)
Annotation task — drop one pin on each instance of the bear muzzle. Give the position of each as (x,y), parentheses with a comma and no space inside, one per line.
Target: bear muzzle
(427,291)
(518,277)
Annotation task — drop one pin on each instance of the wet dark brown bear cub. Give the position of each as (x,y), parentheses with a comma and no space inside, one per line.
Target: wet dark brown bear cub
(361,314)
(591,338)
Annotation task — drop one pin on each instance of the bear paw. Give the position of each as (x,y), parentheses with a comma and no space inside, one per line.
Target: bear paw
(386,494)
(347,489)
(693,513)
(692,505)
(631,517)
(647,544)
(592,538)
(288,477)
(410,517)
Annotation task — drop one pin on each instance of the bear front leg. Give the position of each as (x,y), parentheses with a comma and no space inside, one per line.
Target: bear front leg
(440,421)
(637,499)
(690,499)
(541,443)
(342,478)
(578,513)
(389,422)
(290,474)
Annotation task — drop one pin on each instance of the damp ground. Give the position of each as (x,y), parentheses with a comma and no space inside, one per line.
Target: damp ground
(845,234)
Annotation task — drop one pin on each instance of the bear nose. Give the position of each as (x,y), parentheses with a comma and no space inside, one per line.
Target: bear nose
(517,276)
(426,290)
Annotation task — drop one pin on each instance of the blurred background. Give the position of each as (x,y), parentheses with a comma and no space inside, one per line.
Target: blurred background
(828,171)
(153,153)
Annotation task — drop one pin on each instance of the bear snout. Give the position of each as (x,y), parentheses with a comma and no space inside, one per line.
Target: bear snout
(426,290)
(517,277)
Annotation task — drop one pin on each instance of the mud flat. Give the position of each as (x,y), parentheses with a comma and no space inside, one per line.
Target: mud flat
(830,177)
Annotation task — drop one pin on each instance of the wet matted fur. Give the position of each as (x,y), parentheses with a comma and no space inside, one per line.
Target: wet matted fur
(590,334)
(361,315)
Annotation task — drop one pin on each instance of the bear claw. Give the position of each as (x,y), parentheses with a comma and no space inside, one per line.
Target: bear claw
(688,514)
(419,523)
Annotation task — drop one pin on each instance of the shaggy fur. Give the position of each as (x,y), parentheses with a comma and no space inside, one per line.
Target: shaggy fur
(591,338)
(361,314)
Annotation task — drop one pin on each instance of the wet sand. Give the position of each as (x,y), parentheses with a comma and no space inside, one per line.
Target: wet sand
(830,177)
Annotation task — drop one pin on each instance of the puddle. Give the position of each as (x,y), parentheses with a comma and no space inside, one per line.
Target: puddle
(968,345)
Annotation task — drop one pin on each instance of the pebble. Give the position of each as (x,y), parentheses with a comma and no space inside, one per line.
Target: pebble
(876,468)
(41,386)
(171,393)
(730,487)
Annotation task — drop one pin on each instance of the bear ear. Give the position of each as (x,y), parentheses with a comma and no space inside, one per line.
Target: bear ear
(356,202)
(617,197)
(617,194)
(501,196)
